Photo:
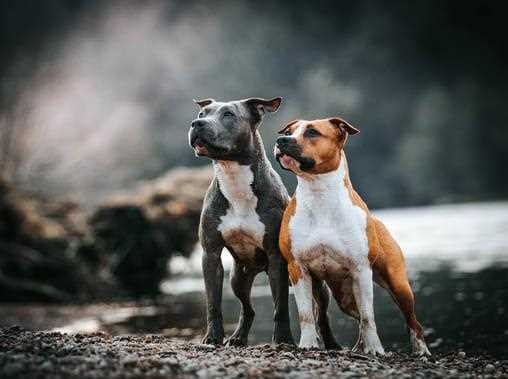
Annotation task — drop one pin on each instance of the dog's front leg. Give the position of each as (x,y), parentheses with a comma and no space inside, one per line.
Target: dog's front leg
(363,292)
(213,273)
(279,284)
(302,287)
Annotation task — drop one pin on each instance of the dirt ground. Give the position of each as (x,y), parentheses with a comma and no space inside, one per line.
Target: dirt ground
(26,354)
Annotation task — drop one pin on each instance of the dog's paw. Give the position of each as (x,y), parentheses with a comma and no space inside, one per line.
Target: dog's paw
(374,350)
(208,340)
(236,341)
(283,338)
(369,343)
(308,345)
(418,346)
(308,338)
(213,338)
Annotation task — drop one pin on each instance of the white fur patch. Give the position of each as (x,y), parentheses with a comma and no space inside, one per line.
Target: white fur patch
(300,129)
(308,332)
(418,346)
(328,238)
(241,227)
(326,221)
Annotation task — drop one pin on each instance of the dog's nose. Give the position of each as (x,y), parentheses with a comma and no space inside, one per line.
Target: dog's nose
(198,123)
(284,140)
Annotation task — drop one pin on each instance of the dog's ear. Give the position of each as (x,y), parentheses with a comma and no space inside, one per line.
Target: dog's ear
(343,125)
(285,127)
(263,105)
(204,102)
(260,106)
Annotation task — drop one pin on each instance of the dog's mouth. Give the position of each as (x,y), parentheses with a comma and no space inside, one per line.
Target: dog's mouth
(290,160)
(204,148)
(285,159)
(199,146)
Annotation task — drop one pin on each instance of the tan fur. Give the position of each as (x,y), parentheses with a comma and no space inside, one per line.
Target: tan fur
(385,255)
(323,149)
(387,261)
(285,243)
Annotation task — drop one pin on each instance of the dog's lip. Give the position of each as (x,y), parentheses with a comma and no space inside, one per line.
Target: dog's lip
(279,154)
(201,150)
(284,159)
(199,146)
(195,140)
(202,147)
(199,143)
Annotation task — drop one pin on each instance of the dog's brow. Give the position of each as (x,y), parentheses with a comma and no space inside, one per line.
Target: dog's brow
(287,126)
(226,107)
(211,108)
(300,130)
(240,109)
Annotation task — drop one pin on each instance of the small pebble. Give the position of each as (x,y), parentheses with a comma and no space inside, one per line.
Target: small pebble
(101,356)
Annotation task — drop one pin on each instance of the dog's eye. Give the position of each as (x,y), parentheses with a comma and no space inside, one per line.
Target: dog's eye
(311,132)
(287,132)
(228,114)
(201,114)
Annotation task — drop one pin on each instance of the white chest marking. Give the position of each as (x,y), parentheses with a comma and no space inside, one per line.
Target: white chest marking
(241,227)
(328,232)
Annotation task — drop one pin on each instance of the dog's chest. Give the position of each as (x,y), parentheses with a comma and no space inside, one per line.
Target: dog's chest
(328,232)
(241,227)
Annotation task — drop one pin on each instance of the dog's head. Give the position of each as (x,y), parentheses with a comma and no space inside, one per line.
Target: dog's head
(224,130)
(312,147)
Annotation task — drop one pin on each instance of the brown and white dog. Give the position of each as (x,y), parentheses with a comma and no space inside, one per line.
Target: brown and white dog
(328,235)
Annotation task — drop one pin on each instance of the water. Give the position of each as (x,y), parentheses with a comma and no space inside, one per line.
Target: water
(457,258)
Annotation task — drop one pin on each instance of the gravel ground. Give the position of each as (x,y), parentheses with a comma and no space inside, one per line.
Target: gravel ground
(25,354)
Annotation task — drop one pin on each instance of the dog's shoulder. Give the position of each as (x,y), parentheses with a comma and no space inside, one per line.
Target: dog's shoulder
(214,203)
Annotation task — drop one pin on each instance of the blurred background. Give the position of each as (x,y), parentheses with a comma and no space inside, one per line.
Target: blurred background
(100,194)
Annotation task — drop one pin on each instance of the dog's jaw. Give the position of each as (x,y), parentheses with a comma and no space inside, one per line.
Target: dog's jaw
(287,162)
(200,149)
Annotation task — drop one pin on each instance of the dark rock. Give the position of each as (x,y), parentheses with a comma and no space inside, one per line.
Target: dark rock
(139,232)
(51,251)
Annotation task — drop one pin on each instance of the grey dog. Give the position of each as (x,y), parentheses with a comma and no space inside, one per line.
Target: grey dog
(242,211)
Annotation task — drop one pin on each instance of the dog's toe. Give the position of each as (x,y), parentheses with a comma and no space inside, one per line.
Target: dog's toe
(212,340)
(236,341)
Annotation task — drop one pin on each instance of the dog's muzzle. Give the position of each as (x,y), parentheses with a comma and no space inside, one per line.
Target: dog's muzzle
(288,146)
(202,140)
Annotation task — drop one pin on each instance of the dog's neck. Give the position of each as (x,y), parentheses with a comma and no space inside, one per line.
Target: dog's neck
(237,180)
(322,190)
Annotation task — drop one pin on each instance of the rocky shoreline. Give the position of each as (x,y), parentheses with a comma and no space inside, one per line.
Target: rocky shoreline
(26,354)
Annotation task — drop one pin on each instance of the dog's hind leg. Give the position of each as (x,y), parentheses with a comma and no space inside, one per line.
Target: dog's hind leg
(404,298)
(322,299)
(390,273)
(241,283)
